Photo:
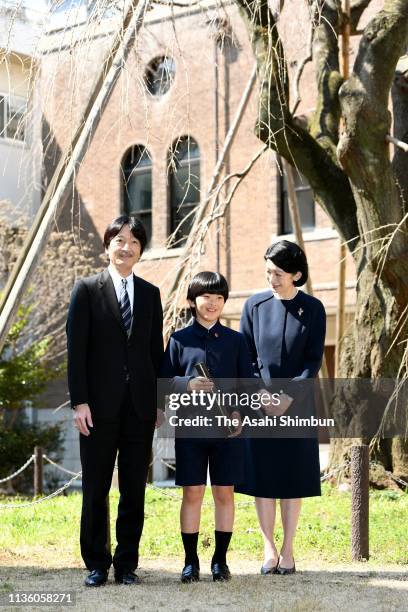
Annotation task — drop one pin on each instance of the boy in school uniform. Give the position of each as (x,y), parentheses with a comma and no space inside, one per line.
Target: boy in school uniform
(226,355)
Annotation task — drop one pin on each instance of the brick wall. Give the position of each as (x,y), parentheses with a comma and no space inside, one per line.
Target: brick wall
(134,117)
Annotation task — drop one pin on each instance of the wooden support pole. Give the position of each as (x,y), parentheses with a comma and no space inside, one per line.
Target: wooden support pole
(38,471)
(360,503)
(341,305)
(297,229)
(294,213)
(67,167)
(341,284)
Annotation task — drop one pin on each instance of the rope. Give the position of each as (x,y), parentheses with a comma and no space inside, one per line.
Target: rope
(334,471)
(160,490)
(390,474)
(179,498)
(23,467)
(164,492)
(172,467)
(60,467)
(42,499)
(399,480)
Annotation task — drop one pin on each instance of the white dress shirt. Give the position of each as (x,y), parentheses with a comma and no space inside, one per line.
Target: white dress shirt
(117,283)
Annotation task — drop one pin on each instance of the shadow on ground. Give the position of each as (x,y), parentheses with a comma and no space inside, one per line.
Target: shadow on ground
(322,588)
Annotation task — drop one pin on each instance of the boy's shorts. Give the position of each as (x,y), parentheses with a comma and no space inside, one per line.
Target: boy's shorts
(224,457)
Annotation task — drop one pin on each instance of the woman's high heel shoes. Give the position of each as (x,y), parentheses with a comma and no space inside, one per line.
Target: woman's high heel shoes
(284,571)
(266,569)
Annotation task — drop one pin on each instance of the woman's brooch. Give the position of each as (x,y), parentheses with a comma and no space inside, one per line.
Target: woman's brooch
(300,312)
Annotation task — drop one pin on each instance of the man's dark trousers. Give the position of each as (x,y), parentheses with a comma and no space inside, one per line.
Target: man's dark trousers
(115,374)
(132,437)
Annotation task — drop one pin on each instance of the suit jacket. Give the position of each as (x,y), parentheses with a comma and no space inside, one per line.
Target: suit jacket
(285,337)
(102,359)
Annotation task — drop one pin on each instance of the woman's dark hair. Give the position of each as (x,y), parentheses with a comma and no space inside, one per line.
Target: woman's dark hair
(135,225)
(207,282)
(289,257)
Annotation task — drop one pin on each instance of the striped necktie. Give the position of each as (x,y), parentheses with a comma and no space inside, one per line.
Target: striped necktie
(125,309)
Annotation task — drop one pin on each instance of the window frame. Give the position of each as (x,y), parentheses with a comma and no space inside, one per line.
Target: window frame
(152,66)
(284,196)
(137,170)
(179,242)
(7,97)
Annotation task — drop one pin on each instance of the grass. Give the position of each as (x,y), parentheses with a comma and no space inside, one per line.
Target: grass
(36,541)
(48,533)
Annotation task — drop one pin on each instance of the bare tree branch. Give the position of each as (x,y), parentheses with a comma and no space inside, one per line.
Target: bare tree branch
(277,127)
(65,173)
(193,254)
(308,58)
(325,123)
(172,3)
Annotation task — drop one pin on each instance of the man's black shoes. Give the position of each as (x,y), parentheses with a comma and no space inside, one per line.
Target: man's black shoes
(190,573)
(96,578)
(127,578)
(220,572)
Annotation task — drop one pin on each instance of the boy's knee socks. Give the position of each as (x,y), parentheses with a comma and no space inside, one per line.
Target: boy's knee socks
(190,541)
(222,540)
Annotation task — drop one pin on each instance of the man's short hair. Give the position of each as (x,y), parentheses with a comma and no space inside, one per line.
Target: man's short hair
(135,225)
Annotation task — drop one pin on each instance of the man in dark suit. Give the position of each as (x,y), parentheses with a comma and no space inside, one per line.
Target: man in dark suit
(115,347)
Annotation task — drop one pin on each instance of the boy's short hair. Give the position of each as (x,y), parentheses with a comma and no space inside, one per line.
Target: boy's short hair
(289,257)
(207,282)
(135,225)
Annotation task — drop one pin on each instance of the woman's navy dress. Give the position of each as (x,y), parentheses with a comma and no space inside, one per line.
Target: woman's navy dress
(286,340)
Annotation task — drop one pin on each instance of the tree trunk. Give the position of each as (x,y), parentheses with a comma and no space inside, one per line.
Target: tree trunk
(352,177)
(374,348)
(368,352)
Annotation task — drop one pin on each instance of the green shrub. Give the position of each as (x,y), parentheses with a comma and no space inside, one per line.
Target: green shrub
(17,444)
(24,374)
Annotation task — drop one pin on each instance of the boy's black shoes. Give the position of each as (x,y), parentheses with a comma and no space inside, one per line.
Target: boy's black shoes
(126,578)
(220,572)
(96,578)
(190,573)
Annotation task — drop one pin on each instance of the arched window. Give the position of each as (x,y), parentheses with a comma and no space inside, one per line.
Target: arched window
(137,186)
(184,186)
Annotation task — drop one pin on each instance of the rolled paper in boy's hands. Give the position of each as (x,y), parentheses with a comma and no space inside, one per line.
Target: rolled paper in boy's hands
(202,370)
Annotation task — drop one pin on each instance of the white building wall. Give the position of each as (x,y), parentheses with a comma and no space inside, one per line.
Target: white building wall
(20,161)
(71,458)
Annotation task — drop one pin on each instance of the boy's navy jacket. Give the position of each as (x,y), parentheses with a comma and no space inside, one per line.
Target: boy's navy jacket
(224,351)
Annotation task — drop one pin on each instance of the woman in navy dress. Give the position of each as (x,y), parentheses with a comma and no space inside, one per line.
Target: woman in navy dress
(285,330)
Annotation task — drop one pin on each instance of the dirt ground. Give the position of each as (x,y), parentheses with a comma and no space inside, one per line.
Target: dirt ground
(314,587)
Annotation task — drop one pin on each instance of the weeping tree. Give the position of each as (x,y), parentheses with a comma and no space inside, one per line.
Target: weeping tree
(345,154)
